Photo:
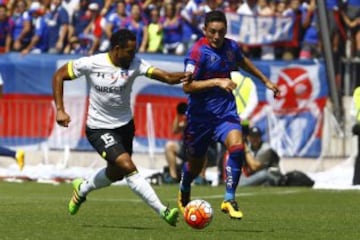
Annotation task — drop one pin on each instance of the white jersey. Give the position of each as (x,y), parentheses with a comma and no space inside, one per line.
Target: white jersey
(110,88)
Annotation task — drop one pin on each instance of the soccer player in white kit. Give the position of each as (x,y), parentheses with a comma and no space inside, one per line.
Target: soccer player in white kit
(110,126)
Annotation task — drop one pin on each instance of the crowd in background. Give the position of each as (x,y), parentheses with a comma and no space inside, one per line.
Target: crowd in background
(162,26)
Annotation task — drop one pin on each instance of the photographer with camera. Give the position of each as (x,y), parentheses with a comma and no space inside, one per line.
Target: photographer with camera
(262,162)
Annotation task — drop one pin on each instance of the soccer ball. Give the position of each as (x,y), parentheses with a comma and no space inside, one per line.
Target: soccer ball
(198,214)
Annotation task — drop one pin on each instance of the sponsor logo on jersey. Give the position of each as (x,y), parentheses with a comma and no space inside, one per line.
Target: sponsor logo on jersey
(106,89)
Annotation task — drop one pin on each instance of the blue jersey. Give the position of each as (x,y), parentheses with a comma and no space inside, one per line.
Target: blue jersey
(173,31)
(55,21)
(6,27)
(19,20)
(206,62)
(42,31)
(311,33)
(331,4)
(353,3)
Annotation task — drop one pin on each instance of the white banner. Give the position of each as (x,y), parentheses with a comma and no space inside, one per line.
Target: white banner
(260,30)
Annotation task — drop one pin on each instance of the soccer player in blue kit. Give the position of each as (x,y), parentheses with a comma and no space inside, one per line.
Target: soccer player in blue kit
(211,109)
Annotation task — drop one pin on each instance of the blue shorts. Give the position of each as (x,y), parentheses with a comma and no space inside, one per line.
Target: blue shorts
(198,135)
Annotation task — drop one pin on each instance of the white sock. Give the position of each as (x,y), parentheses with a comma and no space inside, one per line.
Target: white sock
(143,189)
(96,181)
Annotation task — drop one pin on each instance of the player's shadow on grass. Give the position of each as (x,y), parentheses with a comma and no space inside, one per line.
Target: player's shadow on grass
(117,227)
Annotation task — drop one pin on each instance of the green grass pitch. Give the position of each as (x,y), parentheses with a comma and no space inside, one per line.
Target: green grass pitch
(36,211)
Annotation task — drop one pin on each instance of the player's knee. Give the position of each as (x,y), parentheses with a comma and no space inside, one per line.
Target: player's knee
(236,148)
(125,164)
(171,146)
(113,173)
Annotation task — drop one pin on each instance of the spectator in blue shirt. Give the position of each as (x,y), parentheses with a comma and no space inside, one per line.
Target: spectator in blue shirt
(115,19)
(172,29)
(310,43)
(6,26)
(39,40)
(135,23)
(81,19)
(58,22)
(21,34)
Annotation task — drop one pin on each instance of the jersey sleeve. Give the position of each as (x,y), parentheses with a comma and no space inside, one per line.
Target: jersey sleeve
(193,61)
(79,67)
(237,50)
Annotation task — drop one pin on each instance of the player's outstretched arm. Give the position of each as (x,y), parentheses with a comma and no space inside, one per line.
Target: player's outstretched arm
(61,75)
(168,77)
(198,86)
(248,66)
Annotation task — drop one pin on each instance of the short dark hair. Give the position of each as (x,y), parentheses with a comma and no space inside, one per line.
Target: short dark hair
(121,37)
(181,108)
(215,16)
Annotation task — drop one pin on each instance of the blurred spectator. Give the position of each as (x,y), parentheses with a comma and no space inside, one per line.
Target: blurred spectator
(70,6)
(135,23)
(337,34)
(264,9)
(232,6)
(153,36)
(115,19)
(6,26)
(332,7)
(148,5)
(81,19)
(311,47)
(280,7)
(351,17)
(39,42)
(46,4)
(211,5)
(128,6)
(174,149)
(79,45)
(172,29)
(179,5)
(21,34)
(262,162)
(94,30)
(107,6)
(192,16)
(249,8)
(293,10)
(57,20)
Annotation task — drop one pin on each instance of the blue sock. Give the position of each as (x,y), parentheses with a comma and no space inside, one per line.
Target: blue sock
(186,178)
(7,152)
(233,170)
